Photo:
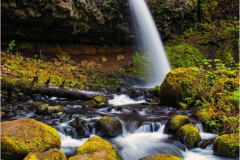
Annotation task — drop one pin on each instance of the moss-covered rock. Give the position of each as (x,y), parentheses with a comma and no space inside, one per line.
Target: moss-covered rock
(19,137)
(178,83)
(227,145)
(102,101)
(176,122)
(188,135)
(108,127)
(96,148)
(90,104)
(51,154)
(47,109)
(161,157)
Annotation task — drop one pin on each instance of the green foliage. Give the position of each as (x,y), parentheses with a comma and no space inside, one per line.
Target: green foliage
(142,65)
(36,60)
(184,55)
(235,18)
(156,88)
(10,46)
(120,71)
(215,89)
(71,68)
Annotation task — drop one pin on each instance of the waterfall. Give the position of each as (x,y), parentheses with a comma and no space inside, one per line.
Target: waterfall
(146,29)
(149,127)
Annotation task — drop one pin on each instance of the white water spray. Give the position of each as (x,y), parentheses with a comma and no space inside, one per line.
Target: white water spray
(151,41)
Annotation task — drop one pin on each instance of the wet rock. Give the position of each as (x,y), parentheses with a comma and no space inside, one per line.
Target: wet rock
(108,127)
(151,98)
(135,94)
(9,108)
(98,101)
(176,122)
(56,153)
(57,115)
(80,128)
(124,109)
(172,88)
(161,156)
(80,132)
(205,143)
(90,104)
(90,19)
(77,122)
(19,137)
(121,89)
(96,148)
(188,135)
(46,109)
(227,145)
(102,101)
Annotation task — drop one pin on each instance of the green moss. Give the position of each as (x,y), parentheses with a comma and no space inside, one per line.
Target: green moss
(179,120)
(97,148)
(161,157)
(26,133)
(184,55)
(52,154)
(225,53)
(99,99)
(234,98)
(90,104)
(203,114)
(189,135)
(183,105)
(37,103)
(227,145)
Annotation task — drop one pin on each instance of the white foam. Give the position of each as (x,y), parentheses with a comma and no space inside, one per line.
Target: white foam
(122,99)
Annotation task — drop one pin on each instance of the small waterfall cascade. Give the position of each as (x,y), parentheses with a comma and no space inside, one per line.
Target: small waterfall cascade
(149,127)
(145,27)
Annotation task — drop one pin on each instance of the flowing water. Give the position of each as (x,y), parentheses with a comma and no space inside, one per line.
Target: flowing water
(137,142)
(146,29)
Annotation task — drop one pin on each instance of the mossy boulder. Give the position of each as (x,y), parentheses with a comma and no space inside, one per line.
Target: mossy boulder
(161,157)
(51,154)
(108,127)
(47,109)
(188,135)
(96,148)
(96,102)
(177,83)
(19,137)
(176,122)
(90,104)
(227,145)
(102,101)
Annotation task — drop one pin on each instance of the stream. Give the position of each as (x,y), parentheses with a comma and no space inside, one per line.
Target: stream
(142,126)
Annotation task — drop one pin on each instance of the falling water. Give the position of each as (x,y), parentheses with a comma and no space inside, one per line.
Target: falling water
(150,39)
(139,141)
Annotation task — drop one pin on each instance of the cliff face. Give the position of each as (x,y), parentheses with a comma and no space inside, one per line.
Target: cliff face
(89,21)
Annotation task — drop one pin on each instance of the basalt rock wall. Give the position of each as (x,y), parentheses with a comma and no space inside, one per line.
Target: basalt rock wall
(89,21)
